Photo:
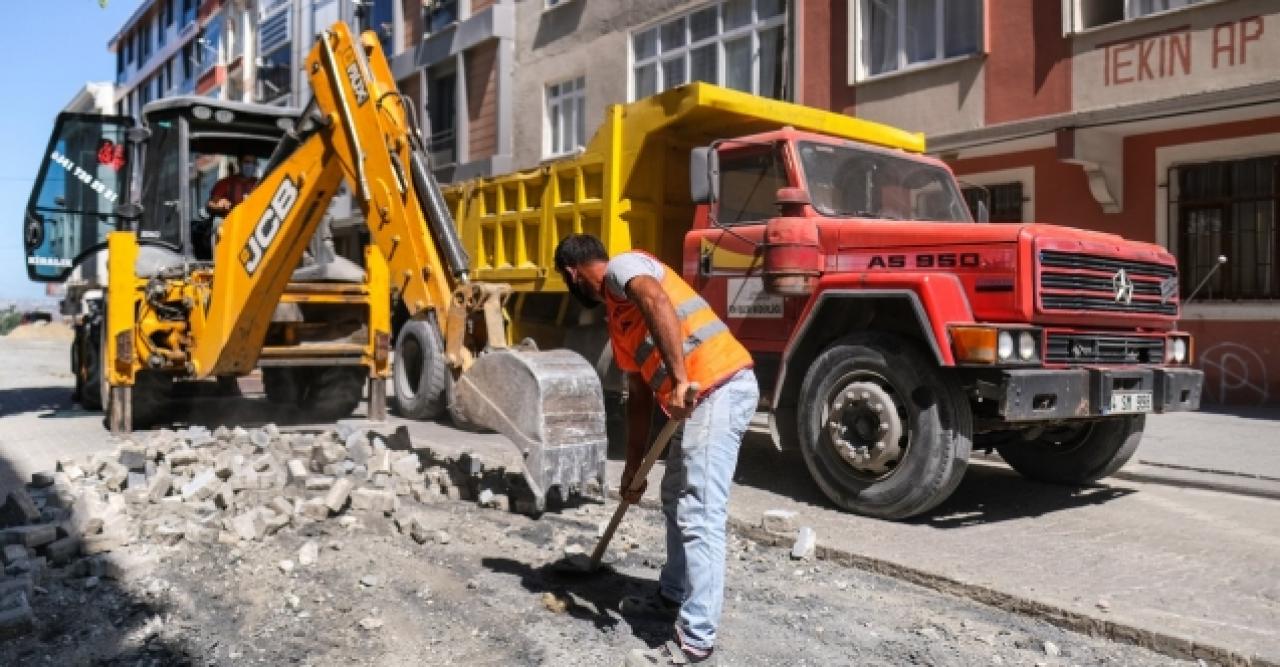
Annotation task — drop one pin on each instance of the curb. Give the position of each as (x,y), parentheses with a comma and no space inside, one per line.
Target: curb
(1165,644)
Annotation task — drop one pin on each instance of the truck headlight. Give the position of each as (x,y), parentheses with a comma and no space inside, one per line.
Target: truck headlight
(1179,352)
(1004,346)
(1026,346)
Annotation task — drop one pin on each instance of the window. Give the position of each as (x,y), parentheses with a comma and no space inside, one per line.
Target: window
(119,65)
(209,50)
(144,44)
(169,6)
(128,49)
(566,102)
(188,61)
(275,43)
(749,183)
(1004,201)
(737,44)
(1228,208)
(442,114)
(379,16)
(847,181)
(162,23)
(188,11)
(440,15)
(1094,13)
(899,34)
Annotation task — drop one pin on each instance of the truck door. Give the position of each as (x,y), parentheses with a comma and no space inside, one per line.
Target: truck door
(727,259)
(83,177)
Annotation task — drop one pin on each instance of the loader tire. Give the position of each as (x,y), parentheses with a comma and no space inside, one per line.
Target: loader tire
(333,392)
(1076,452)
(883,432)
(420,376)
(281,385)
(86,363)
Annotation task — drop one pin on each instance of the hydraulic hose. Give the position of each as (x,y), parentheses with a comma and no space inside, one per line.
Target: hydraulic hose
(439,219)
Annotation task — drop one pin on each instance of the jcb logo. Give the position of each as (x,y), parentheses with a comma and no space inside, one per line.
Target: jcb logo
(269,225)
(357,84)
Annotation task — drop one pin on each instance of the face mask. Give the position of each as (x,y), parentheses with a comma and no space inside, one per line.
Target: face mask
(249,170)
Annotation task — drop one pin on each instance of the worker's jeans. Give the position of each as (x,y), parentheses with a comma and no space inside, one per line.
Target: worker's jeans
(695,500)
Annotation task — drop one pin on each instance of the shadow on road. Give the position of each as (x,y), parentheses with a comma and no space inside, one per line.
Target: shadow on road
(1259,412)
(21,400)
(589,597)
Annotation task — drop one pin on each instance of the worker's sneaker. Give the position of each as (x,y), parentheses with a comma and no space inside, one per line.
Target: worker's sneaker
(669,653)
(655,605)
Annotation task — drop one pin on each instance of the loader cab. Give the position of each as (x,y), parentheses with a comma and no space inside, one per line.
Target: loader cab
(101,174)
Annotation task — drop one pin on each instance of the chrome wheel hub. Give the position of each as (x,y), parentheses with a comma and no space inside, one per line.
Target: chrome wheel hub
(865,427)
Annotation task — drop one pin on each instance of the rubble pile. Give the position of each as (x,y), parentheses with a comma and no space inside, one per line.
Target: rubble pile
(227,486)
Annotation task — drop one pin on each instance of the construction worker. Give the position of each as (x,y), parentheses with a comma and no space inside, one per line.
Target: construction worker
(666,338)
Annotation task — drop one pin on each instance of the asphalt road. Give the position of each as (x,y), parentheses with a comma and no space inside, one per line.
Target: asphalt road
(1182,543)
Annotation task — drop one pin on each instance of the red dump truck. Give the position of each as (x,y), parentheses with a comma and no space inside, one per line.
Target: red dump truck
(892,333)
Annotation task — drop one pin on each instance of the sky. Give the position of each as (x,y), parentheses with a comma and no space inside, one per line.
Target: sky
(50,49)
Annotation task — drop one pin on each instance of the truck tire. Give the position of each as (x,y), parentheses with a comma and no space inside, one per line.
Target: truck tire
(1077,452)
(419,375)
(883,432)
(332,393)
(281,385)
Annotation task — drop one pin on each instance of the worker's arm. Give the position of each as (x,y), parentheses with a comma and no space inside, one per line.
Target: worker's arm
(639,421)
(219,202)
(664,326)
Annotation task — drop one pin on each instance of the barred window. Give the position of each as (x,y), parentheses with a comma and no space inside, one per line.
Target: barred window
(1227,208)
(1004,201)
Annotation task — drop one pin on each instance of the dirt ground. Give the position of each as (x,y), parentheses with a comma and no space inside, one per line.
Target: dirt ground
(42,331)
(479,592)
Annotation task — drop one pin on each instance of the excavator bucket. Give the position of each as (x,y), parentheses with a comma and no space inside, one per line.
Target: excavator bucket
(550,405)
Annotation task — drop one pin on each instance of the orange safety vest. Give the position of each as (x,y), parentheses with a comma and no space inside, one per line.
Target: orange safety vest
(711,353)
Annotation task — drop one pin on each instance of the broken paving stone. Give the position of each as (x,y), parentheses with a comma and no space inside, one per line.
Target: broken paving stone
(199,534)
(779,521)
(64,550)
(182,457)
(309,554)
(805,544)
(30,536)
(201,486)
(554,603)
(319,483)
(314,508)
(18,619)
(102,543)
(137,482)
(374,500)
(442,537)
(286,566)
(369,581)
(133,459)
(18,509)
(159,486)
(248,526)
(1051,649)
(298,472)
(14,552)
(281,505)
(41,479)
(370,623)
(275,522)
(338,495)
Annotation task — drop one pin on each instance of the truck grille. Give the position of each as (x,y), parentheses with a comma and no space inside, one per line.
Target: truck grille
(1079,282)
(1076,348)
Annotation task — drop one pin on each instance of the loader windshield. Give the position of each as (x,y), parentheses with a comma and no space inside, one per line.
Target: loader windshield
(83,177)
(847,181)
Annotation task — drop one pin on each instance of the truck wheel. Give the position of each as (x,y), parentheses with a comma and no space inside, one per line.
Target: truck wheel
(1077,452)
(883,432)
(419,375)
(280,385)
(332,393)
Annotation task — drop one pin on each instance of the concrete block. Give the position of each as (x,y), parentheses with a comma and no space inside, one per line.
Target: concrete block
(102,543)
(309,554)
(380,462)
(407,467)
(375,500)
(168,534)
(30,536)
(314,508)
(137,482)
(17,619)
(281,505)
(182,457)
(133,458)
(41,479)
(63,551)
(805,544)
(159,486)
(114,476)
(779,521)
(122,567)
(249,526)
(319,483)
(275,522)
(225,464)
(14,552)
(199,533)
(262,463)
(18,509)
(338,494)
(201,486)
(358,448)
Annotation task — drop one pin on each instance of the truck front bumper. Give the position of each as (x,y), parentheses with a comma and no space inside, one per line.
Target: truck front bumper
(1027,395)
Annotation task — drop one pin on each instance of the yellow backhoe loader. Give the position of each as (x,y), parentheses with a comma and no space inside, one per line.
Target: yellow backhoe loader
(191,298)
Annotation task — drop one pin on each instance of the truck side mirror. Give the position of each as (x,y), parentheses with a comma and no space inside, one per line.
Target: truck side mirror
(704,175)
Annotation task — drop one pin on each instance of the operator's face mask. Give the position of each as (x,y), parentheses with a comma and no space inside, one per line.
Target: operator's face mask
(582,293)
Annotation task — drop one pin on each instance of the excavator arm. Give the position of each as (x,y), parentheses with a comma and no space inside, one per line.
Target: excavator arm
(359,129)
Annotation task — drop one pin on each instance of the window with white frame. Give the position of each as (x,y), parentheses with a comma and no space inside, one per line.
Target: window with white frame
(1094,13)
(275,59)
(566,116)
(736,44)
(894,35)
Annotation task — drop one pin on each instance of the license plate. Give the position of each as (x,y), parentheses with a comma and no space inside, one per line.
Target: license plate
(1131,401)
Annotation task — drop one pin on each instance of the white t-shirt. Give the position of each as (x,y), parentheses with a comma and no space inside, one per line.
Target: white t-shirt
(623,267)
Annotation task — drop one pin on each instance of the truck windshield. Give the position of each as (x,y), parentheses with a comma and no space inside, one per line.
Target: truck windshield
(845,181)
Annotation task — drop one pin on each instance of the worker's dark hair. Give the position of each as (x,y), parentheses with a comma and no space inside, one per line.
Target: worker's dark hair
(578,249)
